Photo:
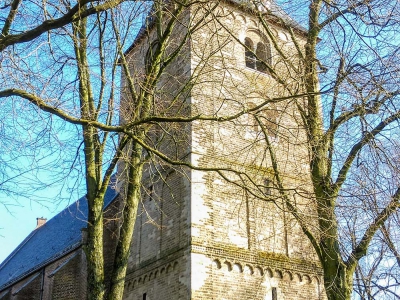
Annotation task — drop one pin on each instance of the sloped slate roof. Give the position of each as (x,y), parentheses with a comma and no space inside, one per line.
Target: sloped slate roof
(55,238)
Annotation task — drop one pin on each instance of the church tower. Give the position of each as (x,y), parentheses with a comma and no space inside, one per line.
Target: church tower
(223,229)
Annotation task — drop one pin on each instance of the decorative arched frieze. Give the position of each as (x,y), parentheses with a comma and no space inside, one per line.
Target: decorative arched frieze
(143,278)
(237,267)
(278,274)
(216,264)
(287,276)
(248,270)
(258,271)
(306,278)
(297,277)
(268,272)
(227,265)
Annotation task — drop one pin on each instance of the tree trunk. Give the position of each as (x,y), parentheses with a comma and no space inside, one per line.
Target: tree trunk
(337,279)
(94,251)
(128,222)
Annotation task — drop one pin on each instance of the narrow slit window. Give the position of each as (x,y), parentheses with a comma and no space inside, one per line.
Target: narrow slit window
(151,192)
(249,54)
(268,187)
(261,53)
(151,52)
(274,294)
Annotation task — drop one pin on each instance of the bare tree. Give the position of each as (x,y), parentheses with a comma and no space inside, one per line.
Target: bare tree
(72,75)
(339,78)
(25,26)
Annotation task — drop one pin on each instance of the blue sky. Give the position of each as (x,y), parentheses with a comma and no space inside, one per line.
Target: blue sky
(19,221)
(41,153)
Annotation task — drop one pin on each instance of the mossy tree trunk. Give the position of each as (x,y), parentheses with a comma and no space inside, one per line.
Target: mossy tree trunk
(329,174)
(94,113)
(95,199)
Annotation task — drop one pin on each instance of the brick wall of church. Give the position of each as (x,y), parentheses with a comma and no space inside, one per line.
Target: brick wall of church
(30,289)
(247,247)
(62,279)
(65,278)
(234,245)
(247,278)
(159,261)
(66,281)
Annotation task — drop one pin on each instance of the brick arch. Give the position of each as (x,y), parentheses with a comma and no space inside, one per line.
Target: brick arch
(278,274)
(228,265)
(239,17)
(258,271)
(237,267)
(269,272)
(297,277)
(252,23)
(228,14)
(307,279)
(248,269)
(216,263)
(315,279)
(175,265)
(287,276)
(129,286)
(169,268)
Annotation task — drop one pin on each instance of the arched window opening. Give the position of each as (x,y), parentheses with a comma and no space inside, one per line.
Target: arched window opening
(257,54)
(151,52)
(249,54)
(261,53)
(268,185)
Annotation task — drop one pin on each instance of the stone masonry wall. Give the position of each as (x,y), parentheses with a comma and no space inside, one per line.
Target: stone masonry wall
(234,228)
(159,259)
(206,238)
